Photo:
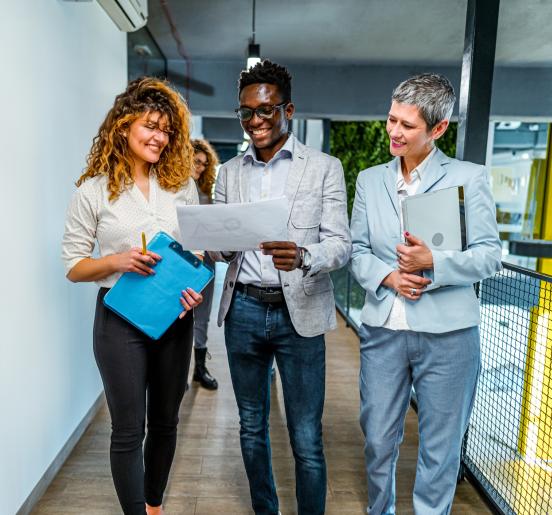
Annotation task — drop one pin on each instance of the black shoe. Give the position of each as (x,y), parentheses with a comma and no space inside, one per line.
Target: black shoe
(201,374)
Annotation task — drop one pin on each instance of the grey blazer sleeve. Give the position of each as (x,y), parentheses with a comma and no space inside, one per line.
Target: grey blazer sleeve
(367,269)
(334,249)
(483,256)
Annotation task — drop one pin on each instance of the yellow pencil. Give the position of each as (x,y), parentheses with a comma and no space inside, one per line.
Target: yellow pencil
(144,249)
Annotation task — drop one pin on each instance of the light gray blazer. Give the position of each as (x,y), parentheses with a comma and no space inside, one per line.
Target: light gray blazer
(318,221)
(375,228)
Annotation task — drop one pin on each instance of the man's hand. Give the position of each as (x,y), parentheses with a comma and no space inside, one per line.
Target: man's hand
(286,255)
(410,286)
(414,257)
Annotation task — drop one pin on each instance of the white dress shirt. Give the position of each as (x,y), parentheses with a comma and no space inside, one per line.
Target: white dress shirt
(117,226)
(397,317)
(266,181)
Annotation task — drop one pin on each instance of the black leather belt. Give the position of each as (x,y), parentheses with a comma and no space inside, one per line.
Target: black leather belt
(269,295)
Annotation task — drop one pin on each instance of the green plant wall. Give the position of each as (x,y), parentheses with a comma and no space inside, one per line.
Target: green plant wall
(360,145)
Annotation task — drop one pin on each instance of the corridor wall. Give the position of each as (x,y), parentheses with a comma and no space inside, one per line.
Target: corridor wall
(62,64)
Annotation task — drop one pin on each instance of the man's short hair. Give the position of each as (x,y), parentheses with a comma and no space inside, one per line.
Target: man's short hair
(267,72)
(431,93)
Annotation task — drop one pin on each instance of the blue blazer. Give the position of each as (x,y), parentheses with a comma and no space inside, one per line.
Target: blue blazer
(376,231)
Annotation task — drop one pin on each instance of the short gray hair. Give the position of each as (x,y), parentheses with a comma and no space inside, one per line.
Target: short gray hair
(431,93)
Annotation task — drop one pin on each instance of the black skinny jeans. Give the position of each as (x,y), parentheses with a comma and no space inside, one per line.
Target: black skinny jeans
(141,376)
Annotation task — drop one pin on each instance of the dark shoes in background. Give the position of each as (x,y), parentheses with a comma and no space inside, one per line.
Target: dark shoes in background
(201,374)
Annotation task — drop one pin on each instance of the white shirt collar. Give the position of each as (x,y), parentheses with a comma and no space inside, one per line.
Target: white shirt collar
(285,152)
(416,174)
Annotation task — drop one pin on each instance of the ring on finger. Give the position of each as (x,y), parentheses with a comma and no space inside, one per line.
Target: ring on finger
(413,291)
(399,255)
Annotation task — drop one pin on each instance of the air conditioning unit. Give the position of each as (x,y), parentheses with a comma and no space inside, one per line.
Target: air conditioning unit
(128,15)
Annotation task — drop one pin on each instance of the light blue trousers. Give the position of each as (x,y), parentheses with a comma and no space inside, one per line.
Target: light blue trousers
(443,368)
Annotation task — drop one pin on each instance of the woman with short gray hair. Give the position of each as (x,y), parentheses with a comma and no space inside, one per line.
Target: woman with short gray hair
(420,317)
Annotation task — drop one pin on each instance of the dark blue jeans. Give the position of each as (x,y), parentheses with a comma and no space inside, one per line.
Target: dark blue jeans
(256,333)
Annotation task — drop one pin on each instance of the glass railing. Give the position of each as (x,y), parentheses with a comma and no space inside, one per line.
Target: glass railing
(349,296)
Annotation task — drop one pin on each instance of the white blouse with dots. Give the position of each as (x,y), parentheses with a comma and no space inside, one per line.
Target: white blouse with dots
(117,226)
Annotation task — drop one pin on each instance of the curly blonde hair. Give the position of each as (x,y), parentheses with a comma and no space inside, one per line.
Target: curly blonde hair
(206,180)
(110,155)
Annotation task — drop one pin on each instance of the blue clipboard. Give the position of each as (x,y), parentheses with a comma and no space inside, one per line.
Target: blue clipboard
(152,303)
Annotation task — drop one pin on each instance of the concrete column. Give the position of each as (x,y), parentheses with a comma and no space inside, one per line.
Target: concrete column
(477,80)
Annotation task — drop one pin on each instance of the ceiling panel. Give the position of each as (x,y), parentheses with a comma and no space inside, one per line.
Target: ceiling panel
(350,31)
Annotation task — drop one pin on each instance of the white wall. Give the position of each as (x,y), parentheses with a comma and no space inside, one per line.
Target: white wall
(62,64)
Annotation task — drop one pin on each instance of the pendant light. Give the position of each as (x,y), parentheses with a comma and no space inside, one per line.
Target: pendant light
(253,50)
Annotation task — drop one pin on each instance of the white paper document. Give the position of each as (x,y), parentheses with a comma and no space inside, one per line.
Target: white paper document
(232,226)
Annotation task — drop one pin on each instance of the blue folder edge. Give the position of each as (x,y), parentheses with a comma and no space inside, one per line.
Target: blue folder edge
(152,303)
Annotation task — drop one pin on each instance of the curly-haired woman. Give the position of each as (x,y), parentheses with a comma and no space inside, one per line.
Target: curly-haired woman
(204,173)
(139,165)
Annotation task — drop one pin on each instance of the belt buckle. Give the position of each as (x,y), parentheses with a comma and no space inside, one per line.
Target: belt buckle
(271,296)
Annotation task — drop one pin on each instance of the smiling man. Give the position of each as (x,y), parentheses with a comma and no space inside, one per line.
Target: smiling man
(278,301)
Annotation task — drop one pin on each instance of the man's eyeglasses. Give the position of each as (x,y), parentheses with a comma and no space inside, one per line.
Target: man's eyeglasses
(265,112)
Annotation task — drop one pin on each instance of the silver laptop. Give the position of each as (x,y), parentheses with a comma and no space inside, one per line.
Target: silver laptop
(437,217)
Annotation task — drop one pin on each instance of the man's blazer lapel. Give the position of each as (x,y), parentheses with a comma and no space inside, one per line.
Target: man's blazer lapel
(434,171)
(390,182)
(296,171)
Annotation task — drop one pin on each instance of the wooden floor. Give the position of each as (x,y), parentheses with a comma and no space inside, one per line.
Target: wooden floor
(208,477)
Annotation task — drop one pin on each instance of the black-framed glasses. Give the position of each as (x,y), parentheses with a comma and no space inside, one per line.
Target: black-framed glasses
(265,112)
